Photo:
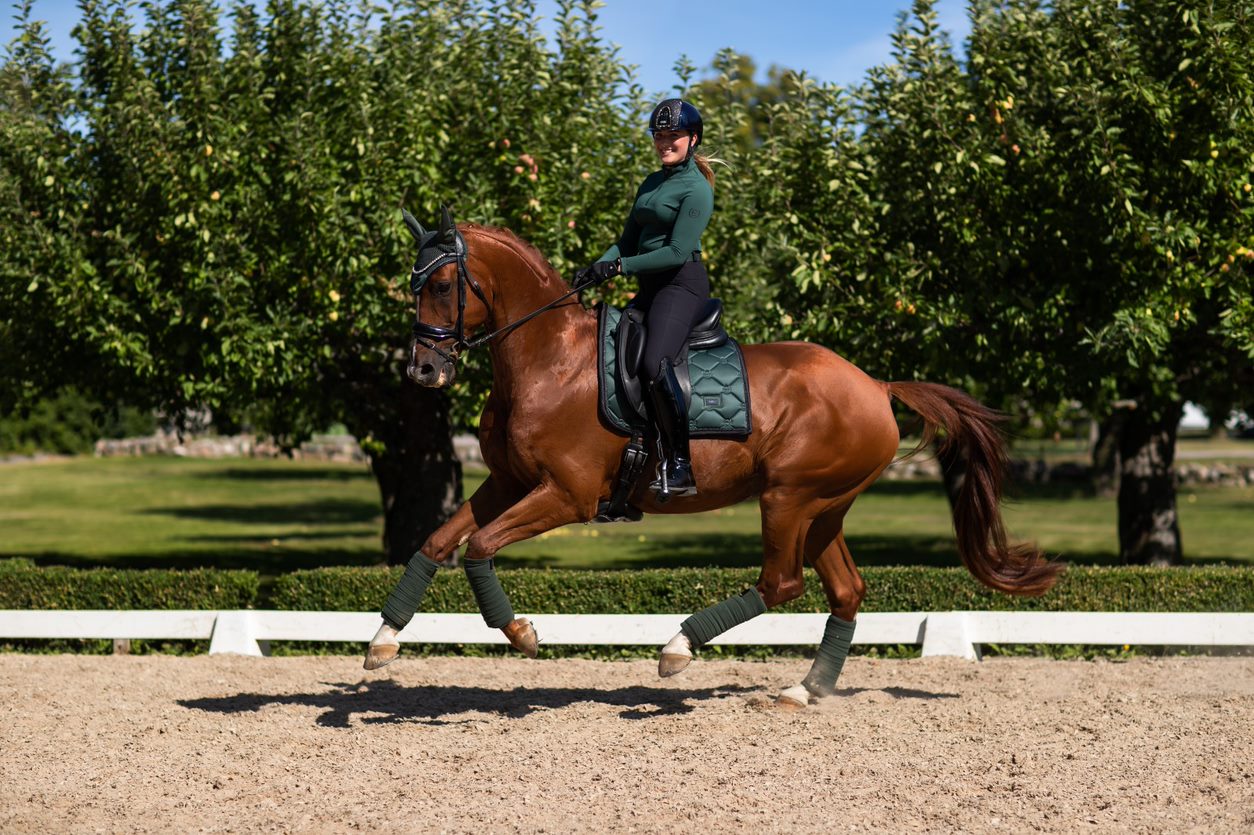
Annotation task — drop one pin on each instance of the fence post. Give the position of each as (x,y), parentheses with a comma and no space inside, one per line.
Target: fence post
(235,632)
(946,634)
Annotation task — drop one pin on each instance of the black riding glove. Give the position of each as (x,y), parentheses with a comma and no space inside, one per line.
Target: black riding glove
(598,272)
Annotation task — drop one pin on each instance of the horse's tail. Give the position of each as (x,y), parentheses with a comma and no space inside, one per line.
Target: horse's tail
(1015,569)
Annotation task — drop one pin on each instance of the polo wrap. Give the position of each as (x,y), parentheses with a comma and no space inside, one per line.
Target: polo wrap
(708,624)
(407,596)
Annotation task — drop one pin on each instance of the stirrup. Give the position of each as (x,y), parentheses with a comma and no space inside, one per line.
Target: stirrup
(662,488)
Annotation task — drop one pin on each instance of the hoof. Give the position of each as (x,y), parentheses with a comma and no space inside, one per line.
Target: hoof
(676,656)
(522,637)
(671,663)
(794,698)
(381,656)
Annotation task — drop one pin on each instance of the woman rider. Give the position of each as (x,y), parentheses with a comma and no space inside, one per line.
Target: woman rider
(661,246)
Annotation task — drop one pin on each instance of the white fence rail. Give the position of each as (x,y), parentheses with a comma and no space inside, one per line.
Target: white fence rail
(248,632)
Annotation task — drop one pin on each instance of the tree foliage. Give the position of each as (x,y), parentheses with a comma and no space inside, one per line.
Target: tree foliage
(201,211)
(220,226)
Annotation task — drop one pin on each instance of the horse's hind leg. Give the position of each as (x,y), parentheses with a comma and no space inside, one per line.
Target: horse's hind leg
(786,518)
(845,590)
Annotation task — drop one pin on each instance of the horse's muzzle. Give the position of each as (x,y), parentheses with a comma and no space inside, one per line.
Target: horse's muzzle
(430,371)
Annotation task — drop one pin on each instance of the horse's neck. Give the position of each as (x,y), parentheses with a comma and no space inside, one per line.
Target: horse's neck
(554,345)
(550,345)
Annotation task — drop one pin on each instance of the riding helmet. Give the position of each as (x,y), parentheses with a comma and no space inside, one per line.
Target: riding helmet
(676,114)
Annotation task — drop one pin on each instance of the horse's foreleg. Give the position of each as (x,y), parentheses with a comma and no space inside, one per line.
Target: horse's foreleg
(544,508)
(492,498)
(785,519)
(495,496)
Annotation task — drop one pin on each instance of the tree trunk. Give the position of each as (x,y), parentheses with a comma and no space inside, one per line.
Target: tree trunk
(419,476)
(1106,462)
(1149,530)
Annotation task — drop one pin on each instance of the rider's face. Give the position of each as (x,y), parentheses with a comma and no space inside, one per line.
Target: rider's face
(671,145)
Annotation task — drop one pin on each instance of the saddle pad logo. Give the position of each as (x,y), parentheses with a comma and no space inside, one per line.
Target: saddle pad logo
(713,402)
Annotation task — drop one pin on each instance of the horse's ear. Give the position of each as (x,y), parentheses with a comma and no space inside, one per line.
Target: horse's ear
(415,228)
(448,229)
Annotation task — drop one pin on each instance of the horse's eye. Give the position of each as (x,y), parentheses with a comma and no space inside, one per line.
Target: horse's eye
(441,288)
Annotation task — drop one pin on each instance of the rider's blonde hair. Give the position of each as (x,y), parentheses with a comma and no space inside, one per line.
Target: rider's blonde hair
(704,165)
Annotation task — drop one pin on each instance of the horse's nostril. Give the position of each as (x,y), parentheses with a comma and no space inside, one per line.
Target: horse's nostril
(427,368)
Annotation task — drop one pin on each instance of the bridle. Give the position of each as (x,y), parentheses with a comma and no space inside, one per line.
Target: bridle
(436,251)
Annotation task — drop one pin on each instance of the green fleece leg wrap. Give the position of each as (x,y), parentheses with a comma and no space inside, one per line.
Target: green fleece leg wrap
(405,598)
(821,680)
(708,624)
(493,604)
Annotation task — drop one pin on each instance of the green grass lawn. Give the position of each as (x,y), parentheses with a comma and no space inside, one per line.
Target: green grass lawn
(276,516)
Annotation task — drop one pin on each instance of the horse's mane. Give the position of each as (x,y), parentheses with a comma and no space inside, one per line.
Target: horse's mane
(533,257)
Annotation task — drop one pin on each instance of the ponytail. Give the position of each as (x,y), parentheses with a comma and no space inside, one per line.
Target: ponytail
(703,164)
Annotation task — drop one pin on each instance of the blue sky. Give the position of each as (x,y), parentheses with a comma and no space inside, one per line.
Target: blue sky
(833,40)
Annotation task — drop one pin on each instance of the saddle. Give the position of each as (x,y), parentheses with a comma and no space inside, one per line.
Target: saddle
(711,372)
(710,369)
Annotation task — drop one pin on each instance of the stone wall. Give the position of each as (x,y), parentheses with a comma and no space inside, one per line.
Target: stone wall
(341,448)
(344,448)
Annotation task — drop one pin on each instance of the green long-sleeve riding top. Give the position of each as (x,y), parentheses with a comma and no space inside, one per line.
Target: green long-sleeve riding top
(664,227)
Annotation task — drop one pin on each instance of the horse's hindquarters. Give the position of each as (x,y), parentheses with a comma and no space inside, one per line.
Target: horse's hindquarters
(817,417)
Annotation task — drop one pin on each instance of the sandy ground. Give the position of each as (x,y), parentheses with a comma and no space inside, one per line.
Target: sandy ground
(220,744)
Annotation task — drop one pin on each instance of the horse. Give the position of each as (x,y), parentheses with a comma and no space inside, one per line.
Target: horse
(822,432)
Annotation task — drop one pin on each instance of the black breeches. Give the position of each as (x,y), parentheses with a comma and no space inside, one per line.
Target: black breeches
(673,301)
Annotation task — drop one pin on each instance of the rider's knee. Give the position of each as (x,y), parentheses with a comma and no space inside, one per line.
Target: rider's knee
(779,590)
(655,370)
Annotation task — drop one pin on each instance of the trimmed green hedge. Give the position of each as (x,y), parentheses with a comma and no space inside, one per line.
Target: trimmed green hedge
(682,590)
(25,586)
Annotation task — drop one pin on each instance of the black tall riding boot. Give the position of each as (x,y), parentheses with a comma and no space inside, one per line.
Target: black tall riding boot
(666,403)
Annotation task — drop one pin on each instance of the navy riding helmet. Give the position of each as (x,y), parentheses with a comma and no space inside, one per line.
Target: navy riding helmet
(677,114)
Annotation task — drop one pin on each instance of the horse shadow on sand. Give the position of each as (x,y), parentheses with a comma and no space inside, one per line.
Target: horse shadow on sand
(387,702)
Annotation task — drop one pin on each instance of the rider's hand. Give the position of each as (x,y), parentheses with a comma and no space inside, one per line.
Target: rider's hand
(598,272)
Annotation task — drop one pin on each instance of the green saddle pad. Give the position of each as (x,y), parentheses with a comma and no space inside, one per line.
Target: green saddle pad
(719,407)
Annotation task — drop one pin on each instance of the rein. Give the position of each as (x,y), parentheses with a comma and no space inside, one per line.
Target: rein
(429,335)
(523,320)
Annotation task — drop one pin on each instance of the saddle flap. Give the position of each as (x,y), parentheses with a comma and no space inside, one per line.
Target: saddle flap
(629,348)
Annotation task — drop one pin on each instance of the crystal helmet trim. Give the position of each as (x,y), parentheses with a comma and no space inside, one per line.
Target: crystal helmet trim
(676,114)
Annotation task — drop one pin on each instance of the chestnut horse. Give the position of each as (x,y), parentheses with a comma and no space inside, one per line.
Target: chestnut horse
(823,431)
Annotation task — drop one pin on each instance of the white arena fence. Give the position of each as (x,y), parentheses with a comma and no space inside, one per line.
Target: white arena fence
(960,634)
